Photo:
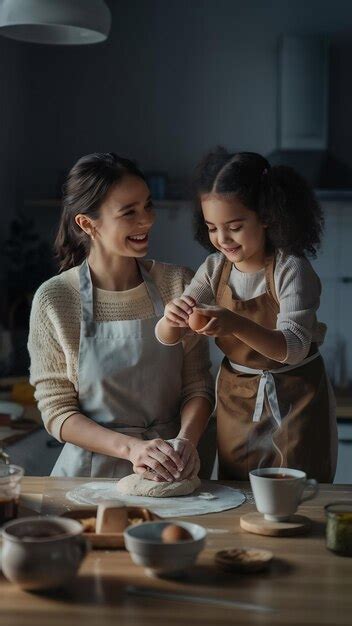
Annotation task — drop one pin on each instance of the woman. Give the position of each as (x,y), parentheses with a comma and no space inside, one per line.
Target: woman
(119,400)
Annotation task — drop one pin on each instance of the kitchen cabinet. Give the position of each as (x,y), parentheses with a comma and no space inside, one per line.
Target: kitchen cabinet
(333,266)
(344,462)
(303,93)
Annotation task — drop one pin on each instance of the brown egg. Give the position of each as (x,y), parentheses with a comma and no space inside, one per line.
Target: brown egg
(197,320)
(173,533)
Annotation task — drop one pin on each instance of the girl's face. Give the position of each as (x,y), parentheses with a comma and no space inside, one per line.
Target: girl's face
(233,229)
(126,217)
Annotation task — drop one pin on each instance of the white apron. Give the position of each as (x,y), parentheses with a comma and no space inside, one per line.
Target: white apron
(127,382)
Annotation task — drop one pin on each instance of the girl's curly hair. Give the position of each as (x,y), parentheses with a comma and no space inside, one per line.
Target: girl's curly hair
(282,199)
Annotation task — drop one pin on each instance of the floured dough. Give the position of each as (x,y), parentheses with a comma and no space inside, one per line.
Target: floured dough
(136,485)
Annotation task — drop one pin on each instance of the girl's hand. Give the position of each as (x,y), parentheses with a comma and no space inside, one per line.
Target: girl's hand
(178,310)
(156,460)
(221,321)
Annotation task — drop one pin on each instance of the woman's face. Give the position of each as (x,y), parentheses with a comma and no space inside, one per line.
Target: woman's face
(126,217)
(233,229)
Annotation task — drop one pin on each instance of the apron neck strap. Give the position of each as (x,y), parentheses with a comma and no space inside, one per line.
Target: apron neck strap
(224,279)
(152,290)
(269,278)
(86,291)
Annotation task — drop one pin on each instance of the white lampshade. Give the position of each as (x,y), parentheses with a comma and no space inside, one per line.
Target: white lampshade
(60,22)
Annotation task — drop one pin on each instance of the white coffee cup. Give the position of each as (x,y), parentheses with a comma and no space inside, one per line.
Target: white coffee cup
(279,498)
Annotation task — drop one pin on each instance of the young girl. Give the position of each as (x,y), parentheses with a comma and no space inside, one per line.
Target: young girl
(274,406)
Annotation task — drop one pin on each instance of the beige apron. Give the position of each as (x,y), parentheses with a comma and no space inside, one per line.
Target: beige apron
(127,382)
(270,414)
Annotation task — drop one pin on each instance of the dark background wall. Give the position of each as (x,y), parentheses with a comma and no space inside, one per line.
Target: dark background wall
(173,79)
(13,96)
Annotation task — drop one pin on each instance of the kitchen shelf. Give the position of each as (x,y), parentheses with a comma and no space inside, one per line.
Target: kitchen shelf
(55,203)
(344,408)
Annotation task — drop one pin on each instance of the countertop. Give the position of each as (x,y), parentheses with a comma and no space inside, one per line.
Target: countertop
(306,585)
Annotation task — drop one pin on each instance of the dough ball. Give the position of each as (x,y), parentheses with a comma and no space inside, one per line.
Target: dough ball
(136,485)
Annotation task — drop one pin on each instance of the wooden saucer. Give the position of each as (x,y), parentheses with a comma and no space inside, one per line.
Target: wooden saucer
(255,523)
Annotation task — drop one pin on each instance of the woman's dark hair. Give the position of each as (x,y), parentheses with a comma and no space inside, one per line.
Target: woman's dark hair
(283,200)
(86,186)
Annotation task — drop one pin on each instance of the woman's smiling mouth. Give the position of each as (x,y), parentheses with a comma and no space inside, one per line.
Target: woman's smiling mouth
(142,238)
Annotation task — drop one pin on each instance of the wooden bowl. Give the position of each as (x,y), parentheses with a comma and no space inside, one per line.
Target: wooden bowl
(87,517)
(243,560)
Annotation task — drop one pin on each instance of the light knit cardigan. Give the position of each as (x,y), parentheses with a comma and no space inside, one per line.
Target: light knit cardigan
(54,335)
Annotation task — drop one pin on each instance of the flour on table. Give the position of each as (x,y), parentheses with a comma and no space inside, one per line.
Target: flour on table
(205,495)
(92,493)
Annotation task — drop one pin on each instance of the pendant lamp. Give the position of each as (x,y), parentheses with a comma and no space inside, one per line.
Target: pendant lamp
(59,22)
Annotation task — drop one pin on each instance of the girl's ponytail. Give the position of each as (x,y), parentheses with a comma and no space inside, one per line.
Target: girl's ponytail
(291,212)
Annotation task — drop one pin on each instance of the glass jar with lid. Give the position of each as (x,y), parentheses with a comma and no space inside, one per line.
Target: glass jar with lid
(339,527)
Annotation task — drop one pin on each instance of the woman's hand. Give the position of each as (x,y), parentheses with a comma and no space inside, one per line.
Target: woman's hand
(189,455)
(178,310)
(221,321)
(156,460)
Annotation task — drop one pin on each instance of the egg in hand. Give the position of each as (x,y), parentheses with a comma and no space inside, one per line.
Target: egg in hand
(196,320)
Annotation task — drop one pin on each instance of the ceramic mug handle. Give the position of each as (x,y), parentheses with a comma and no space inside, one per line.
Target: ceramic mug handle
(312,483)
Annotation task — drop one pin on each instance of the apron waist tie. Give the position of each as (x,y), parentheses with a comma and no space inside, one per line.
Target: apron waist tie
(267,386)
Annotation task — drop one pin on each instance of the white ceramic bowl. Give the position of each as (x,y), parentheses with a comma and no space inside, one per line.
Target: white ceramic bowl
(163,559)
(42,552)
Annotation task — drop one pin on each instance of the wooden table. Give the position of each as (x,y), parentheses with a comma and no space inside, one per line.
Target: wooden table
(306,584)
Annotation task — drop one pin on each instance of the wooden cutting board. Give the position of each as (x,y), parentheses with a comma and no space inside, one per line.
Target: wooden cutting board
(108,541)
(255,523)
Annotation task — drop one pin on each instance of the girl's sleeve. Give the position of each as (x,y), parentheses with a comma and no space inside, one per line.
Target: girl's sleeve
(197,379)
(56,395)
(203,285)
(298,289)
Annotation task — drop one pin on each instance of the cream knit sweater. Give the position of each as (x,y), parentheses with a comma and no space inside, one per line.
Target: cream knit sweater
(54,334)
